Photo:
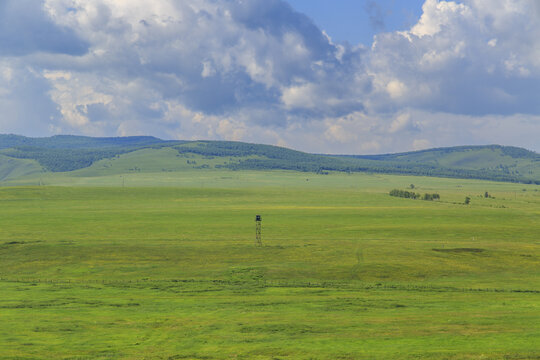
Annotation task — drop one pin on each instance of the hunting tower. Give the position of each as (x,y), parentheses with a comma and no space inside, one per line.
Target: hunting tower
(258,230)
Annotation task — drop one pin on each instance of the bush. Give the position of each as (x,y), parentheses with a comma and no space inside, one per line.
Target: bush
(412,195)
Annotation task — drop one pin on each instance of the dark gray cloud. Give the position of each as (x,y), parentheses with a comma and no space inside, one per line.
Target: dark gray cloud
(25,105)
(25,28)
(277,18)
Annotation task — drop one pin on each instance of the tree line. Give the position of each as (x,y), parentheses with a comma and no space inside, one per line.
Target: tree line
(412,195)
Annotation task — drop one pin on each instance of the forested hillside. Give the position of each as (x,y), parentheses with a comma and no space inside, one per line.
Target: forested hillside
(474,162)
(69,153)
(506,163)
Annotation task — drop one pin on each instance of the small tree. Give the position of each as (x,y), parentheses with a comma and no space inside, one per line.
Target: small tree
(467,200)
(411,186)
(486,194)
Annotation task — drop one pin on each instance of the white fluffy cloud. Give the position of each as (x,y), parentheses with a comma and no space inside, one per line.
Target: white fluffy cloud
(477,57)
(466,73)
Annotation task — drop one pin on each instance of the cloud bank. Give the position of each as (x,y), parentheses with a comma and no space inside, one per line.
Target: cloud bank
(466,73)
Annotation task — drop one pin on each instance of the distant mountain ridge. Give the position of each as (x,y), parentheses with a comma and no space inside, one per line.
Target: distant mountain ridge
(512,151)
(77,142)
(22,156)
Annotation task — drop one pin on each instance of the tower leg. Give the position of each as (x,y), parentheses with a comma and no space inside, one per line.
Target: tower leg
(258,231)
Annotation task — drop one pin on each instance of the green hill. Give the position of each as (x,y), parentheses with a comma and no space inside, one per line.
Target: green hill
(489,162)
(11,168)
(67,153)
(86,156)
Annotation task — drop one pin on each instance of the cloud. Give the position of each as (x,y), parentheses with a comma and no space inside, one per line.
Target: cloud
(25,28)
(421,144)
(216,58)
(466,72)
(376,15)
(438,15)
(25,105)
(475,57)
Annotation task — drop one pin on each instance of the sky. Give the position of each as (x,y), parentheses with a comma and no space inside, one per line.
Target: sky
(348,77)
(358,21)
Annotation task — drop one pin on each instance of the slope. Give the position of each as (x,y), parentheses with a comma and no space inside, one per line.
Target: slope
(11,168)
(83,156)
(492,160)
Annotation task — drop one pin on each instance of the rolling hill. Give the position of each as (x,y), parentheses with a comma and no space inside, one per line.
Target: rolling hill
(22,157)
(11,168)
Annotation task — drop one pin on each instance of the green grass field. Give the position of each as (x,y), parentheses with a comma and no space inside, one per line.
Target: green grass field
(164,266)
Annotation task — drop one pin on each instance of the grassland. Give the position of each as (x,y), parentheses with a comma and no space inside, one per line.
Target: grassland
(164,266)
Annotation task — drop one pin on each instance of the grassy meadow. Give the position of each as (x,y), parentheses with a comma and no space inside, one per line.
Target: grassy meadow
(164,266)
